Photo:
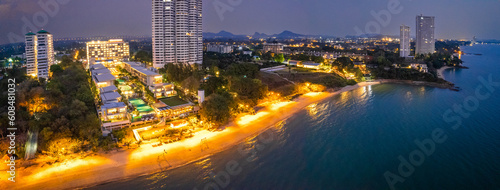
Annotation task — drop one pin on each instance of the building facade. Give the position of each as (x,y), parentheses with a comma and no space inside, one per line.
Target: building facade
(404,42)
(425,41)
(273,47)
(107,52)
(220,48)
(39,54)
(152,80)
(177,32)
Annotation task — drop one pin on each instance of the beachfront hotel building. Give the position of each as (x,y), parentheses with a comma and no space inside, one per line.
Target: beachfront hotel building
(39,54)
(107,52)
(404,42)
(425,41)
(151,79)
(177,32)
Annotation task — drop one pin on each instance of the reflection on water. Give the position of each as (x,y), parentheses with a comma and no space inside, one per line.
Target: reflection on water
(205,166)
(312,110)
(348,142)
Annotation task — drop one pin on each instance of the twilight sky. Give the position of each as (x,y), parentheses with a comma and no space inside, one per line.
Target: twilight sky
(458,19)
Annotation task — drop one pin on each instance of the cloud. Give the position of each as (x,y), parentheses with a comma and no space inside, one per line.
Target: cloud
(15,9)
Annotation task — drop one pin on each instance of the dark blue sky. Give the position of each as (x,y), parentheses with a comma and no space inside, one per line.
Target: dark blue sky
(454,18)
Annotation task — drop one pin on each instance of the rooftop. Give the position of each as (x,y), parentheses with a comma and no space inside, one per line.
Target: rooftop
(110,96)
(311,63)
(97,66)
(43,32)
(104,77)
(113,105)
(100,71)
(138,67)
(111,88)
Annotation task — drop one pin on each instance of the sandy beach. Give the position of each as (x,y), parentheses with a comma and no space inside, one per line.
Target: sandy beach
(146,159)
(441,70)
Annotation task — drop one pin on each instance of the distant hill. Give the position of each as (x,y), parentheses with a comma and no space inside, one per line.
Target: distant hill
(222,34)
(228,35)
(288,34)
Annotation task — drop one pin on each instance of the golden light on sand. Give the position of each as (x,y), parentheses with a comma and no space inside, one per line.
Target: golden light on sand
(279,105)
(148,150)
(313,94)
(247,119)
(65,166)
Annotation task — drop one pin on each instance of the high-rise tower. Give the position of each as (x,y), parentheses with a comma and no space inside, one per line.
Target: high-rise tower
(425,41)
(404,42)
(177,32)
(39,53)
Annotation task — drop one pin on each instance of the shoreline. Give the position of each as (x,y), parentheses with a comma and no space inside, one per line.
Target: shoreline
(126,164)
(441,70)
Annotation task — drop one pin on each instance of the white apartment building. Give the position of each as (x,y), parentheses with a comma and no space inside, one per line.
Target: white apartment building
(425,41)
(39,53)
(404,42)
(177,32)
(107,52)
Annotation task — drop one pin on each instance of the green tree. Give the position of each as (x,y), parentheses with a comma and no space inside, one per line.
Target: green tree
(243,70)
(216,109)
(280,58)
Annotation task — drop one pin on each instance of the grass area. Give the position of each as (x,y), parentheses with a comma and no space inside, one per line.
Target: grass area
(277,84)
(173,101)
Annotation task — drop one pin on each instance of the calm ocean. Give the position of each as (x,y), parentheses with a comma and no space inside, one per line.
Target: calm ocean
(351,140)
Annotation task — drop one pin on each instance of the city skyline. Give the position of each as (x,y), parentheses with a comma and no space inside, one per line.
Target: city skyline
(134,18)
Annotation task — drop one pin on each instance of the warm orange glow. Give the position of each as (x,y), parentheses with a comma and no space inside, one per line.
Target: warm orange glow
(148,150)
(73,164)
(313,94)
(279,105)
(247,119)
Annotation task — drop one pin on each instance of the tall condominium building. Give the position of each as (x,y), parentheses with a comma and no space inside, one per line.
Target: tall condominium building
(107,52)
(39,54)
(177,32)
(404,42)
(425,42)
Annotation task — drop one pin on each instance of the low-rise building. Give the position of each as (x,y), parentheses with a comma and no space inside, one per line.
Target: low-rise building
(110,97)
(420,67)
(219,48)
(153,80)
(163,89)
(107,89)
(145,75)
(273,47)
(294,63)
(173,107)
(114,111)
(247,53)
(104,80)
(310,65)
